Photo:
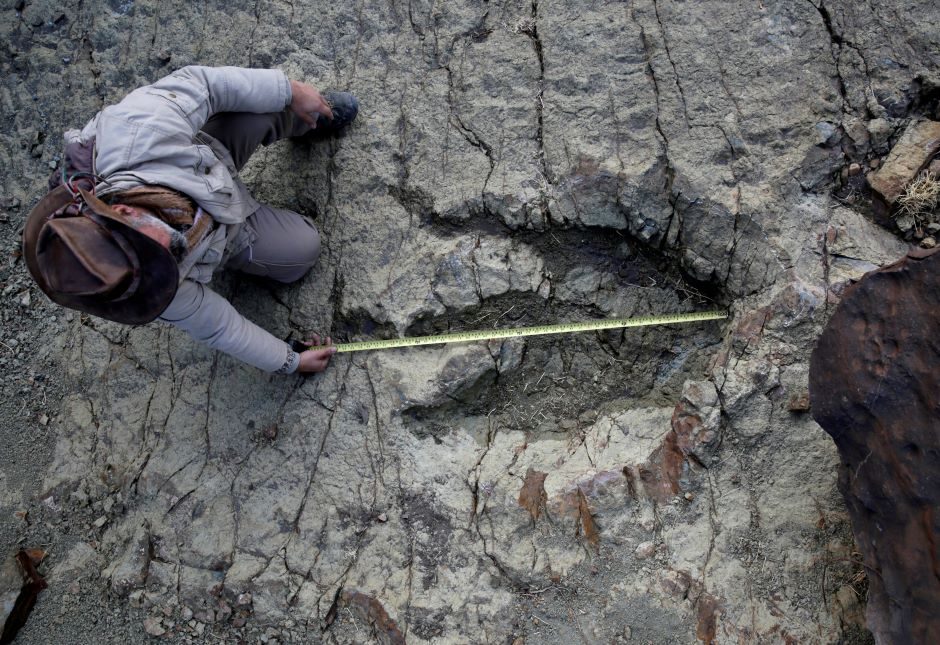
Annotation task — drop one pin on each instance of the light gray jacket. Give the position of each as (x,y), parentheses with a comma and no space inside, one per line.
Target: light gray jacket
(153,137)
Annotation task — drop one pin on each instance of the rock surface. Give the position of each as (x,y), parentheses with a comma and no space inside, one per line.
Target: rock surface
(874,383)
(514,163)
(913,151)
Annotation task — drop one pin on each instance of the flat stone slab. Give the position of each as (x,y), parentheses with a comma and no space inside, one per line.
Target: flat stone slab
(917,146)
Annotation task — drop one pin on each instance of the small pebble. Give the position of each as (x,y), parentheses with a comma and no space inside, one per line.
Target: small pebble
(153,627)
(645,550)
(205,616)
(223,612)
(689,497)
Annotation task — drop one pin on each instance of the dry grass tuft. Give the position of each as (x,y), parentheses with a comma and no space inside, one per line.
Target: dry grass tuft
(919,199)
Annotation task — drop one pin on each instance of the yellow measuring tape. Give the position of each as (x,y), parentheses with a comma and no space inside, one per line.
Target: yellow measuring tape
(492,334)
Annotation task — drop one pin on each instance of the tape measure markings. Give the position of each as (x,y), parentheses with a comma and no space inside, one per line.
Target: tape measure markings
(493,334)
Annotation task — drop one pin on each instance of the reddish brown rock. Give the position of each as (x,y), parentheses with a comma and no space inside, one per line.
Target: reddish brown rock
(573,504)
(693,441)
(696,421)
(875,388)
(911,154)
(20,585)
(708,611)
(369,609)
(532,496)
(660,474)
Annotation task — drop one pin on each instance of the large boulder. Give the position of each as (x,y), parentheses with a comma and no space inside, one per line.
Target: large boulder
(873,388)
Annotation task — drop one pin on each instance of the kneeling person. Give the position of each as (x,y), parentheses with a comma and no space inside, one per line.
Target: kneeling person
(149,205)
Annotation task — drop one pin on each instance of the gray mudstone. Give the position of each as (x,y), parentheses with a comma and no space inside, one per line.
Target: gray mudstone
(130,570)
(504,155)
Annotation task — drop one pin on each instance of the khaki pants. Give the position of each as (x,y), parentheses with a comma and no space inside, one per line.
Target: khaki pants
(283,245)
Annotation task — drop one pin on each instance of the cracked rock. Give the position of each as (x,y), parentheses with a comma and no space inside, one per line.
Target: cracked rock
(911,154)
(514,164)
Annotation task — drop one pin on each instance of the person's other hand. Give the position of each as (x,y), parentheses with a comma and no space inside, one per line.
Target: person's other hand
(318,357)
(307,103)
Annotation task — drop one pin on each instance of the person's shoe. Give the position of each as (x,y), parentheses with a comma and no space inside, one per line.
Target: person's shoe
(345,107)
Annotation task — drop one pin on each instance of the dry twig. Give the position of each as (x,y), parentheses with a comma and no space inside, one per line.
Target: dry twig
(919,199)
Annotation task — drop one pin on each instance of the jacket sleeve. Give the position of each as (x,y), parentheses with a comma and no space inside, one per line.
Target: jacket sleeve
(211,319)
(182,102)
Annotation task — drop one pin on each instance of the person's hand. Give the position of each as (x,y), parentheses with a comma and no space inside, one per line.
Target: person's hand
(318,357)
(307,103)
